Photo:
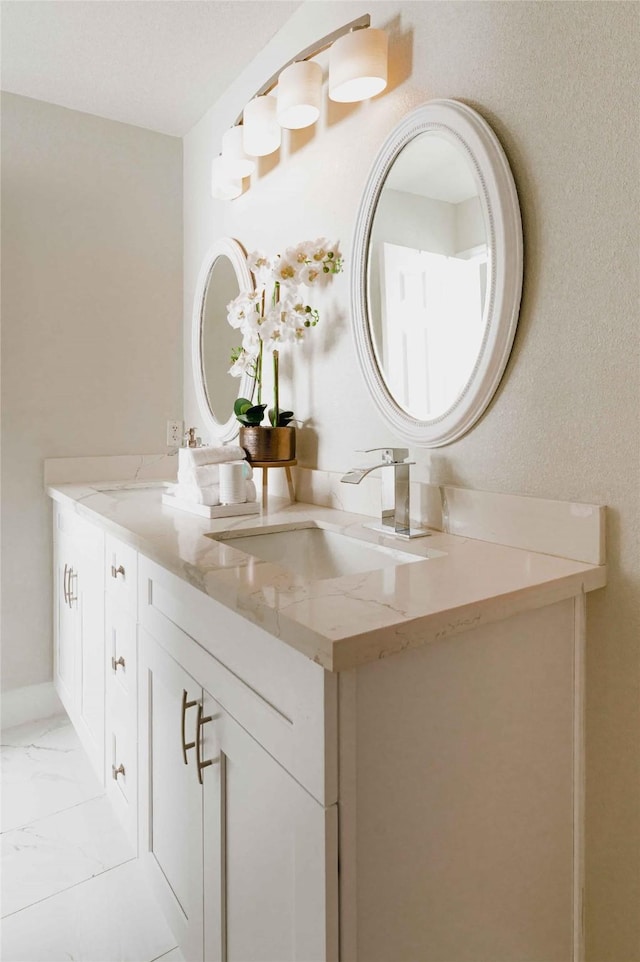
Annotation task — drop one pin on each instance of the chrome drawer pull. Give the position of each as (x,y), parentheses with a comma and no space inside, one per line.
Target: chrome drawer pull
(186,745)
(65,589)
(117,771)
(117,571)
(114,663)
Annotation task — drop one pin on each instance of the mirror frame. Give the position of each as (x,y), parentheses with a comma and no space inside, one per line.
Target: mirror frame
(231,249)
(501,211)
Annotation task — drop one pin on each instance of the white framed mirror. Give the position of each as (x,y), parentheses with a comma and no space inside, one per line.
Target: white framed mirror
(436,272)
(223,275)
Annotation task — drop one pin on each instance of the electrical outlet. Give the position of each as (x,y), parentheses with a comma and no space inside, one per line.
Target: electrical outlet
(175,431)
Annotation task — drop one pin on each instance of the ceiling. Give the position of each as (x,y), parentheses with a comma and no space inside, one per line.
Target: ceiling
(434,167)
(153,63)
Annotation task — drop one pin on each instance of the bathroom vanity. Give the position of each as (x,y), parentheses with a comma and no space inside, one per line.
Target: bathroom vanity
(325,742)
(376,759)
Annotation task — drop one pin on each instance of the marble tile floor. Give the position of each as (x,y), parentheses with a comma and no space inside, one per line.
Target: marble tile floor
(70,886)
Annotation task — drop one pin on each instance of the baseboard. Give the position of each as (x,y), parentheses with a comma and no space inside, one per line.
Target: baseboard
(22,705)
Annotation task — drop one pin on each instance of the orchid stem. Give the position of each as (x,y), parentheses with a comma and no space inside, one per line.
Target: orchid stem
(276,399)
(259,373)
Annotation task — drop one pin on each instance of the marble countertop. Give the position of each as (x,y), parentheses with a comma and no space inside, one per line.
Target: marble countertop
(339,622)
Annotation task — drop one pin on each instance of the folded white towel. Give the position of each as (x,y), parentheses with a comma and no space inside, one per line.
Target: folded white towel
(209,454)
(209,495)
(200,475)
(204,474)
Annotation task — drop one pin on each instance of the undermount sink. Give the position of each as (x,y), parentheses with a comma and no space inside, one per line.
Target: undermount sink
(316,553)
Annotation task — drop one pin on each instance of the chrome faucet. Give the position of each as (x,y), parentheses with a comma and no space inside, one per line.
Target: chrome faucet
(395,490)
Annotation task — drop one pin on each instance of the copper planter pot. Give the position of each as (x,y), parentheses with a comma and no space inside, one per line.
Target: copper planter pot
(268,444)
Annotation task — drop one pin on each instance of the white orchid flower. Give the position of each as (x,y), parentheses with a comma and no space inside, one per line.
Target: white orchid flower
(286,271)
(260,266)
(244,363)
(250,341)
(311,274)
(240,309)
(319,250)
(299,255)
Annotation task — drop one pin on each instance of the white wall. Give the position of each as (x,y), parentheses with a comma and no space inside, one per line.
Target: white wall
(91,327)
(470,229)
(415,221)
(556,81)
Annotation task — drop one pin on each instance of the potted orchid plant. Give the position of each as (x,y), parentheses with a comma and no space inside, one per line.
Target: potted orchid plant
(272,316)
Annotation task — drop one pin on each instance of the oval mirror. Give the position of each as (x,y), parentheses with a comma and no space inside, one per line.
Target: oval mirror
(437,272)
(223,275)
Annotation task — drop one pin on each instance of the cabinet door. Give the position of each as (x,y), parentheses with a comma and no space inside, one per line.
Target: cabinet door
(170,793)
(65,624)
(79,629)
(270,863)
(87,594)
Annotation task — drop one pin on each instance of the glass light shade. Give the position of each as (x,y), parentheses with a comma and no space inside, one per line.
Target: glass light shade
(358,65)
(299,95)
(262,132)
(223,187)
(236,161)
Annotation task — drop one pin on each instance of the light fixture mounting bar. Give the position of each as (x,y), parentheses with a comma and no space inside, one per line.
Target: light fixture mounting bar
(358,24)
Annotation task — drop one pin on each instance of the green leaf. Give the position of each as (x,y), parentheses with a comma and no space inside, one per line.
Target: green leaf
(283,418)
(241,406)
(251,416)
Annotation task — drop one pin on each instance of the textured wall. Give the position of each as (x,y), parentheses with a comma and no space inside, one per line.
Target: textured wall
(91,327)
(556,81)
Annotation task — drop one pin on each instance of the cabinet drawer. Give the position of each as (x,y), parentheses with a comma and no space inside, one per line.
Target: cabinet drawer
(121,574)
(284,700)
(122,769)
(120,647)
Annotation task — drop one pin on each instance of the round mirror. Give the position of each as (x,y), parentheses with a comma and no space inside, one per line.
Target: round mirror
(437,272)
(224,274)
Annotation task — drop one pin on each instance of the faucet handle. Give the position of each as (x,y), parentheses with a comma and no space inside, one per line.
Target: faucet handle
(390,455)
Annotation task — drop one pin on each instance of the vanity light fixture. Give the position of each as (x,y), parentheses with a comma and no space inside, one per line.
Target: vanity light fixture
(358,66)
(262,132)
(223,185)
(236,160)
(357,71)
(299,94)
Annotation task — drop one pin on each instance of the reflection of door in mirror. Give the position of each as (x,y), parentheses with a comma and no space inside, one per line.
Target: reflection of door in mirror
(431,310)
(218,338)
(428,276)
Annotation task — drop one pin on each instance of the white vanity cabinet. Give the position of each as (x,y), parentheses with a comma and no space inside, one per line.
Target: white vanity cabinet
(79,628)
(459,781)
(242,858)
(421,806)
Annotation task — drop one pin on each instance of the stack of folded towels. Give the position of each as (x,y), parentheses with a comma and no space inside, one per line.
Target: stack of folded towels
(199,474)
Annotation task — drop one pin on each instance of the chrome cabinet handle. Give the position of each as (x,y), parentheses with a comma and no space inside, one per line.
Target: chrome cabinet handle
(65,589)
(186,745)
(115,663)
(117,771)
(199,763)
(117,571)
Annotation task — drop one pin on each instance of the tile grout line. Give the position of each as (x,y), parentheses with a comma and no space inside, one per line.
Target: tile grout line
(38,823)
(67,808)
(69,887)
(159,958)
